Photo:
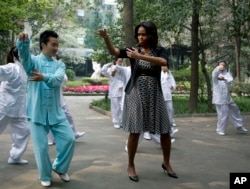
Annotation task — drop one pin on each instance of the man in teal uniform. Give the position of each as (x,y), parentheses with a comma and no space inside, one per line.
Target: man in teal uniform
(44,112)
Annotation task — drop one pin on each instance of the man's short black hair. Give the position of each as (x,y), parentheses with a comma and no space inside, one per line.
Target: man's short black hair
(225,62)
(44,37)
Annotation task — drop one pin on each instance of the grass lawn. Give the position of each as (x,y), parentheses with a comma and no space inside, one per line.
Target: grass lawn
(181,105)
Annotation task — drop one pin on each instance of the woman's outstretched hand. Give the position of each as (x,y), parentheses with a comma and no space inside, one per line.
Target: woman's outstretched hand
(103,33)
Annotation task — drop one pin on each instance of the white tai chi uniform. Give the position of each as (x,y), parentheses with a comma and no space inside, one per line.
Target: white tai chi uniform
(168,85)
(115,94)
(13,86)
(225,106)
(123,74)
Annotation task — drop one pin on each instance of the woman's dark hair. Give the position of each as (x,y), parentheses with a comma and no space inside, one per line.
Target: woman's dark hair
(44,37)
(11,54)
(151,31)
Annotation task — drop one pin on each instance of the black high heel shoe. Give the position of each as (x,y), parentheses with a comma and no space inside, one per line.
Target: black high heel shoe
(134,178)
(173,175)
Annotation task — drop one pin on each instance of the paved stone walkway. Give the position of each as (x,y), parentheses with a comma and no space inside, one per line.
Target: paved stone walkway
(201,158)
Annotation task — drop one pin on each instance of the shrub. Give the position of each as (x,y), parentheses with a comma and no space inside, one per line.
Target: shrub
(74,83)
(103,104)
(181,105)
(182,75)
(70,74)
(241,89)
(99,81)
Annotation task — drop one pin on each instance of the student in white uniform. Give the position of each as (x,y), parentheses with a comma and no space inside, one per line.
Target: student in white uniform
(115,91)
(168,86)
(122,73)
(13,86)
(68,114)
(225,106)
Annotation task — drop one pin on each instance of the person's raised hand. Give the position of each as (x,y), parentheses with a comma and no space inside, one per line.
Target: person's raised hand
(37,76)
(22,36)
(103,33)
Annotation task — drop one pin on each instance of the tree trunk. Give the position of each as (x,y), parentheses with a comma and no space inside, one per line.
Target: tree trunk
(205,72)
(194,59)
(128,23)
(208,81)
(237,58)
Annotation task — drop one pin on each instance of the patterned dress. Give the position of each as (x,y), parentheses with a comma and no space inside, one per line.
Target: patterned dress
(144,108)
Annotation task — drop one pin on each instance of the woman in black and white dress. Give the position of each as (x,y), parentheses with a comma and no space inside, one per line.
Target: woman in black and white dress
(144,108)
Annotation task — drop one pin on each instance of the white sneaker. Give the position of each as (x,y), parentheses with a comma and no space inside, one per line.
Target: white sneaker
(126,146)
(46,183)
(242,129)
(50,143)
(174,124)
(172,140)
(17,161)
(173,131)
(116,126)
(79,134)
(64,176)
(146,135)
(221,133)
(156,138)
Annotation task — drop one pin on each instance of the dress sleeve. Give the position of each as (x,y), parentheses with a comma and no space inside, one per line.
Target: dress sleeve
(123,53)
(163,53)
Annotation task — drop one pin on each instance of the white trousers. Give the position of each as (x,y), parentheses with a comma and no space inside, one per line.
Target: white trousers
(116,109)
(225,112)
(170,109)
(19,133)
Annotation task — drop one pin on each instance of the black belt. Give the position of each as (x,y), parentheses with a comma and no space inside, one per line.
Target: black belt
(146,73)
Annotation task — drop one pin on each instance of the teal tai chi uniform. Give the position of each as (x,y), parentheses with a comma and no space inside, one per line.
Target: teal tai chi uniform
(44,112)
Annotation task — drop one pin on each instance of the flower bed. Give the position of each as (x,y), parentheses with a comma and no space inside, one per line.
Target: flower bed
(87,89)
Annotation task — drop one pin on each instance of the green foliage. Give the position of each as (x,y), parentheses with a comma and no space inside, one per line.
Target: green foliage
(99,81)
(75,83)
(87,81)
(243,102)
(38,15)
(181,105)
(15,12)
(182,75)
(103,104)
(240,89)
(101,54)
(70,74)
